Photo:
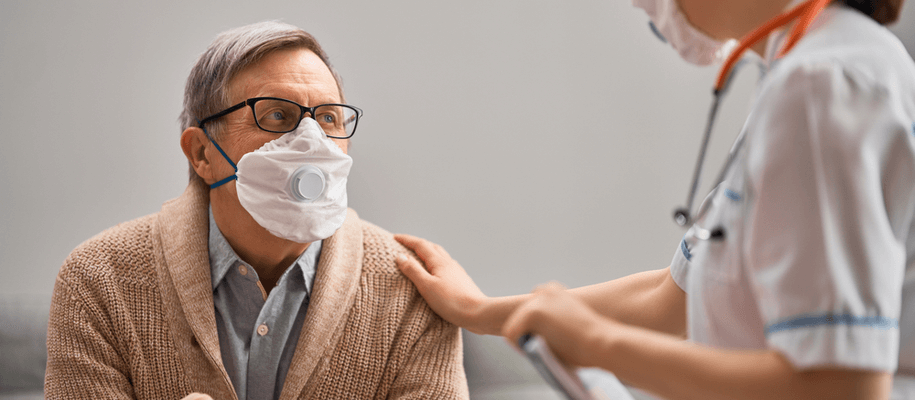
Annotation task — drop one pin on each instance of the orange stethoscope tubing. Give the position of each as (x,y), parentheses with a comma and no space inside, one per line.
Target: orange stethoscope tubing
(805,13)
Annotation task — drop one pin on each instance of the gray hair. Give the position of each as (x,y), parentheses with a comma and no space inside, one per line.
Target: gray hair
(207,92)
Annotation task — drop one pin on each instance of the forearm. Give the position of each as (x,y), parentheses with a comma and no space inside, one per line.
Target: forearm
(492,313)
(676,369)
(649,299)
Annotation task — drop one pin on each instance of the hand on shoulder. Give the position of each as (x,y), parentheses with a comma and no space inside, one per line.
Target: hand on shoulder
(442,282)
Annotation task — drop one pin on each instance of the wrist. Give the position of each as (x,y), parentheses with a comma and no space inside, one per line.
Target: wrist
(492,312)
(479,316)
(602,339)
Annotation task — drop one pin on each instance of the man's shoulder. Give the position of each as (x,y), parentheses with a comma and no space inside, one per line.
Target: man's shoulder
(380,249)
(123,252)
(406,335)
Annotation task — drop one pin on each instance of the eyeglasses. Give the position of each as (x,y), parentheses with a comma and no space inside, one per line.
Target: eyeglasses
(277,115)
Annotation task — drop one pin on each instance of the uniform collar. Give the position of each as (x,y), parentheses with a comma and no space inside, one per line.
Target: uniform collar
(777,38)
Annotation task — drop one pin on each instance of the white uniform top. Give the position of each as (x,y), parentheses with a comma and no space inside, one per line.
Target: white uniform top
(818,210)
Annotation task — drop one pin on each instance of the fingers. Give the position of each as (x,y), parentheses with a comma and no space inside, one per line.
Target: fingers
(412,269)
(527,317)
(549,287)
(425,249)
(197,396)
(441,249)
(408,240)
(518,323)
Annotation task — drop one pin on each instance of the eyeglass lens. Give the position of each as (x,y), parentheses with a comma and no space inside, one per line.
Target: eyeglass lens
(282,116)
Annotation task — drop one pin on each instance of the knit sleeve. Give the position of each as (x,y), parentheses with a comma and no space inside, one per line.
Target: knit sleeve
(82,364)
(434,368)
(422,353)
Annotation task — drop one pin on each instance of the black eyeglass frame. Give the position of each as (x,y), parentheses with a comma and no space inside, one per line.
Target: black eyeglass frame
(311,110)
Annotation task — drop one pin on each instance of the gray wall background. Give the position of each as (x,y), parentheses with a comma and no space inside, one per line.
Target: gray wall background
(535,140)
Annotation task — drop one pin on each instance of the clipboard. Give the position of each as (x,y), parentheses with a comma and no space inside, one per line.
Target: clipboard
(581,384)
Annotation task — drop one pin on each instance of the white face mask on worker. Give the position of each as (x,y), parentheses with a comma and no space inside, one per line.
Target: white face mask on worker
(295,186)
(671,25)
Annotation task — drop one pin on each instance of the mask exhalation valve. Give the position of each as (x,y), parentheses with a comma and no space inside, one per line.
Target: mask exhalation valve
(307,183)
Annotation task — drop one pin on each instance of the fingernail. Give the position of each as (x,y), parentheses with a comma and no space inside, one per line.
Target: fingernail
(401,257)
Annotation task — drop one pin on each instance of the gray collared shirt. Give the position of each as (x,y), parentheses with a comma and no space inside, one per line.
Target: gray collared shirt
(258,333)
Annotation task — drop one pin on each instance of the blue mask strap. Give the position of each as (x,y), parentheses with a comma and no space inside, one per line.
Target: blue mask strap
(226,180)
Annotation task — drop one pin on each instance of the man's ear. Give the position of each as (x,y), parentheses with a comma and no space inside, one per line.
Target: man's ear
(194,143)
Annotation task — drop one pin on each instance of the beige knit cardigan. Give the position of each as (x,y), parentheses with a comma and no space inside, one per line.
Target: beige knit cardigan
(132,317)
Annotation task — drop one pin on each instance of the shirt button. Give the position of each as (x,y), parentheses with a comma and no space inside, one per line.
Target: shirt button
(262,330)
(243,270)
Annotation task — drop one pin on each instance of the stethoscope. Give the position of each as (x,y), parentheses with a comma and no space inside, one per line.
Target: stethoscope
(807,11)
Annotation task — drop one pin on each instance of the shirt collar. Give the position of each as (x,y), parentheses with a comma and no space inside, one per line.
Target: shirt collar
(223,257)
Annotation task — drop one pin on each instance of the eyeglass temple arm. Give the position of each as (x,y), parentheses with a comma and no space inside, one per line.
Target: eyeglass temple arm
(221,113)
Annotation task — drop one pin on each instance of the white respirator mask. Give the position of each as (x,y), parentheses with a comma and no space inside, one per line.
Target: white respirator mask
(694,46)
(294,186)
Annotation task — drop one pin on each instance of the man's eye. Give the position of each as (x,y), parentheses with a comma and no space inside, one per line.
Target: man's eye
(327,119)
(277,115)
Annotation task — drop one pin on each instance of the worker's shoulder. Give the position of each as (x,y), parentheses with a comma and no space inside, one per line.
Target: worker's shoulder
(122,254)
(848,84)
(847,52)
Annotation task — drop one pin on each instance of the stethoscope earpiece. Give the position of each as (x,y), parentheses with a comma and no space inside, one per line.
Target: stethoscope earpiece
(681,216)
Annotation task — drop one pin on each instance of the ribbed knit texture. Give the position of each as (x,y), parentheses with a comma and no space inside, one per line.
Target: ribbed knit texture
(132,317)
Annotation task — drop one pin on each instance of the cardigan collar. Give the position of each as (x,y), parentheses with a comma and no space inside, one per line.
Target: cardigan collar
(183,229)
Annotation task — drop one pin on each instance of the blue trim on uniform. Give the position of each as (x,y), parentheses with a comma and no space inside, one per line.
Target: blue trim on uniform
(685,249)
(732,195)
(806,321)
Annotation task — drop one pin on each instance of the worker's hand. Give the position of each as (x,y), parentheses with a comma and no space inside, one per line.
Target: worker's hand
(197,396)
(572,329)
(444,285)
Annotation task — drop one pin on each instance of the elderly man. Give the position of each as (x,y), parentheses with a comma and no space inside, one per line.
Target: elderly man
(257,282)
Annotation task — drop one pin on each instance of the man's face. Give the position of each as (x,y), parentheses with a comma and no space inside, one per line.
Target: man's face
(295,74)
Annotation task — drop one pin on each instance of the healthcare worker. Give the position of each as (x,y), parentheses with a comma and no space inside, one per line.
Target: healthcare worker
(796,276)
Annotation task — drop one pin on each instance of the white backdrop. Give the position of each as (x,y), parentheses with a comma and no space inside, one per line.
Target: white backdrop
(535,140)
